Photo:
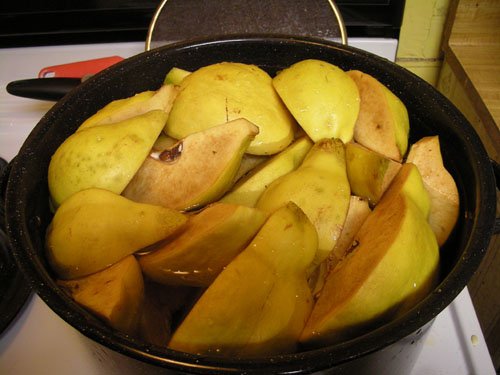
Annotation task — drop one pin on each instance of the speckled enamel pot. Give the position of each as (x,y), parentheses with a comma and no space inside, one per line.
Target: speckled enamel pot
(392,348)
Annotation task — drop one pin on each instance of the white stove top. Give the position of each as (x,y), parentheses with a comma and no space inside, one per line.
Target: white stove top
(38,341)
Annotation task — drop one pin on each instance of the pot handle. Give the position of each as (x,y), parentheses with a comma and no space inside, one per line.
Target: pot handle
(230,16)
(496,172)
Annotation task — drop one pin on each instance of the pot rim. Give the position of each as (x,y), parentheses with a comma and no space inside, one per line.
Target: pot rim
(456,280)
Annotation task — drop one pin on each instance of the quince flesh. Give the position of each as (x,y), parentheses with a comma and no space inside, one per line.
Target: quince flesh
(239,277)
(115,294)
(443,192)
(208,243)
(319,186)
(196,171)
(123,109)
(163,142)
(369,173)
(248,190)
(226,91)
(248,163)
(322,98)
(409,182)
(105,156)
(175,76)
(95,228)
(358,211)
(382,125)
(259,304)
(393,264)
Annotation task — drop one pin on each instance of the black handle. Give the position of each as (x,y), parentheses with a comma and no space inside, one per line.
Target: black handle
(50,89)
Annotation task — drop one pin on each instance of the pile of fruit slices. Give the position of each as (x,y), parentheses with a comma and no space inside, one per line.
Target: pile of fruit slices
(231,213)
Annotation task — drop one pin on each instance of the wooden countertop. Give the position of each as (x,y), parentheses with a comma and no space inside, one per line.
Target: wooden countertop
(471,46)
(472,49)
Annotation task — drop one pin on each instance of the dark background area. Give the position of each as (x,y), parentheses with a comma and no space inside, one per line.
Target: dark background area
(56,22)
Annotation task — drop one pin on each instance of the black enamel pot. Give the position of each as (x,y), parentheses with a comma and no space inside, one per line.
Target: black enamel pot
(392,348)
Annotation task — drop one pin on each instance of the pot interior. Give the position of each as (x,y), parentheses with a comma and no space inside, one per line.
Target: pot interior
(430,114)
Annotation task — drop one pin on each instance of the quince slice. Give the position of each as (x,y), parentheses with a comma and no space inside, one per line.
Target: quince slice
(259,303)
(392,264)
(195,171)
(123,109)
(175,76)
(319,186)
(104,156)
(115,294)
(382,124)
(248,190)
(443,192)
(321,97)
(95,228)
(369,172)
(226,91)
(208,243)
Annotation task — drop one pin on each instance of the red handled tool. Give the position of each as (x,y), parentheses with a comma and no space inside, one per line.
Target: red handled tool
(54,82)
(79,69)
